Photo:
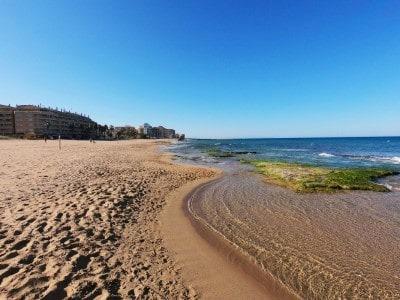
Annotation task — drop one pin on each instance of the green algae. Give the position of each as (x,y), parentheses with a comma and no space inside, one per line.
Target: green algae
(305,178)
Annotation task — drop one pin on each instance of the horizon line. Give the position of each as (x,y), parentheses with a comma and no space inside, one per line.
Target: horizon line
(301,137)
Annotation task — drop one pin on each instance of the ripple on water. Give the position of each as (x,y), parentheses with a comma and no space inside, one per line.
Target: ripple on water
(341,245)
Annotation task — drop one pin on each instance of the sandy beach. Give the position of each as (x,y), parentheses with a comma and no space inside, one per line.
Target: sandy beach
(198,150)
(83,221)
(122,220)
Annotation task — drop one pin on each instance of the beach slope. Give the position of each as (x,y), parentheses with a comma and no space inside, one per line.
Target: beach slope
(83,221)
(209,262)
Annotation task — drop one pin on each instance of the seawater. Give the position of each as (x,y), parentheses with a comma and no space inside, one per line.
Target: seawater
(321,246)
(333,152)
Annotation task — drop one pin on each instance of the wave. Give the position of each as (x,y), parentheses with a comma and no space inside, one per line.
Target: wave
(383,159)
(324,154)
(289,149)
(394,159)
(178,145)
(388,186)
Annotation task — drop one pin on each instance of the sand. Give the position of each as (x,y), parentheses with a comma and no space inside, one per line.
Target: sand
(115,220)
(210,263)
(83,221)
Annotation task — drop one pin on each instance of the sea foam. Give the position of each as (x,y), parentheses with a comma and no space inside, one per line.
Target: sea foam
(324,154)
(396,159)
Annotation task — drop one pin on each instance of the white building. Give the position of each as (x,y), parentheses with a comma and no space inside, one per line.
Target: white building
(146,127)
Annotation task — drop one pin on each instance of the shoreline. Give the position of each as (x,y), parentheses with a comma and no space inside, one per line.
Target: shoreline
(303,239)
(109,219)
(222,271)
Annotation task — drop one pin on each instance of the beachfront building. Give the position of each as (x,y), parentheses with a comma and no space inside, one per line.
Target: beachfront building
(166,133)
(32,121)
(146,128)
(7,124)
(36,121)
(42,121)
(153,133)
(158,132)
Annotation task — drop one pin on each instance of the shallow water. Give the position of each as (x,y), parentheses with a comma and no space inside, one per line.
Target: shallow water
(391,182)
(342,245)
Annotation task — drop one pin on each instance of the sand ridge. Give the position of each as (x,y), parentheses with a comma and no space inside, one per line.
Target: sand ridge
(83,222)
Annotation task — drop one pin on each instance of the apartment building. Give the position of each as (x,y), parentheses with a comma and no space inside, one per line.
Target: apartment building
(40,121)
(160,132)
(7,124)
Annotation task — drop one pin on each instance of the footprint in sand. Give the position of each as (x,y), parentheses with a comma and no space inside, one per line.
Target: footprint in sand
(11,255)
(20,245)
(10,271)
(27,259)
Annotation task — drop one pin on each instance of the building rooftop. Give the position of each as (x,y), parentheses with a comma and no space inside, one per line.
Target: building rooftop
(6,107)
(30,107)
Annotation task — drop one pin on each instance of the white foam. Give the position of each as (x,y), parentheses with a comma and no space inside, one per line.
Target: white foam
(290,149)
(324,154)
(388,186)
(395,159)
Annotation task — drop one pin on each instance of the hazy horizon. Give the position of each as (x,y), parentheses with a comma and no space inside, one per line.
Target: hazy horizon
(258,69)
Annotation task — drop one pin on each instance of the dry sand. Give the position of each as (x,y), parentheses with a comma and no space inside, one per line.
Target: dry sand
(83,221)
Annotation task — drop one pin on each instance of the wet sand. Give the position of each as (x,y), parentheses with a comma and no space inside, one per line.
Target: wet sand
(321,246)
(83,222)
(210,263)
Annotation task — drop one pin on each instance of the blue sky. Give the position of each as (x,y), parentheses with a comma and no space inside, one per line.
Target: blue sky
(209,68)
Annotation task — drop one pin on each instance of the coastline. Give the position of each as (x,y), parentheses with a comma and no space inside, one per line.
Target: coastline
(210,263)
(110,219)
(304,240)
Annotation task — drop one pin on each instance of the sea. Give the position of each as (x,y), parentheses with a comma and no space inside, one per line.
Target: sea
(332,152)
